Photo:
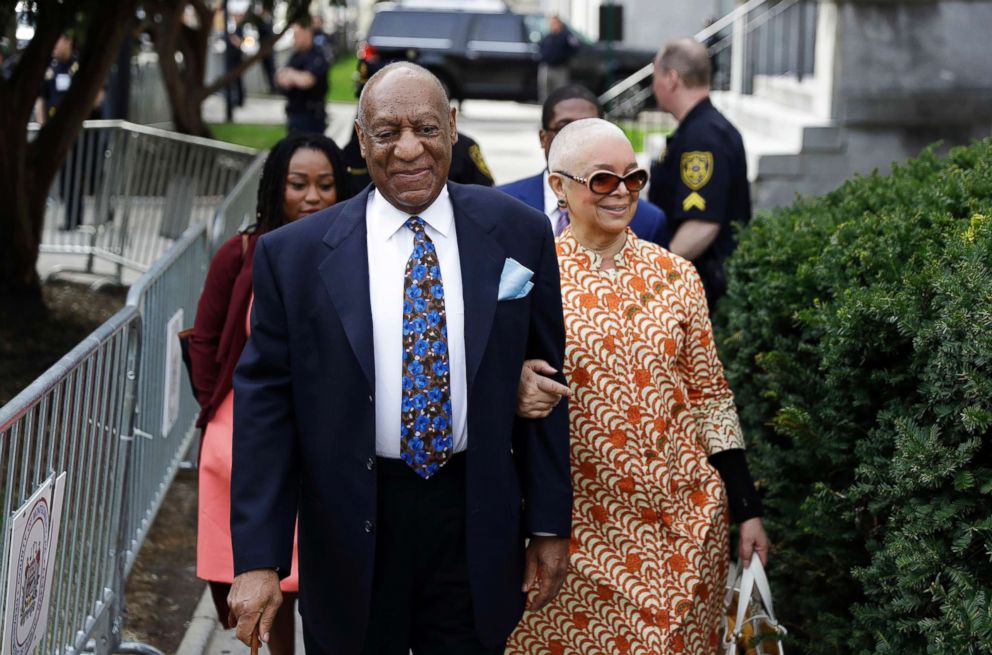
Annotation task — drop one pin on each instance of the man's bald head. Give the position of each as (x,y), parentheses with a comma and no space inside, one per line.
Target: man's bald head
(401,68)
(690,59)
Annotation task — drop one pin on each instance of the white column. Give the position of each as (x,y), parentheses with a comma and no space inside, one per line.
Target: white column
(825,59)
(738,53)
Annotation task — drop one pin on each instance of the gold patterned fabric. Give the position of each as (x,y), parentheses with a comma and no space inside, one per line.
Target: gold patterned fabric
(649,527)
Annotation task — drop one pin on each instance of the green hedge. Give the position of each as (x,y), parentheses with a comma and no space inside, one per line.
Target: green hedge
(857,335)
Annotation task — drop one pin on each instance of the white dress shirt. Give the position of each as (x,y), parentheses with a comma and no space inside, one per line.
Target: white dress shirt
(390,243)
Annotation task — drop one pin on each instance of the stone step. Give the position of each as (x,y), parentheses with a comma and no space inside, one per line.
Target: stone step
(788,91)
(767,118)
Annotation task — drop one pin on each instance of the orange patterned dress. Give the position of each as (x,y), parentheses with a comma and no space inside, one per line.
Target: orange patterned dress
(650,402)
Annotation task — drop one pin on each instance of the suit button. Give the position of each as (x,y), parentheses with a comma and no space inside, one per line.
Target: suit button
(370,464)
(369,527)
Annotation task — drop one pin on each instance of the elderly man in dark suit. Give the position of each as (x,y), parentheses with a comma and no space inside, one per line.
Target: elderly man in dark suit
(376,396)
(563,106)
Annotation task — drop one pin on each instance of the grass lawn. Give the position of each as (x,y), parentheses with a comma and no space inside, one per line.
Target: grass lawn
(252,135)
(636,134)
(342,84)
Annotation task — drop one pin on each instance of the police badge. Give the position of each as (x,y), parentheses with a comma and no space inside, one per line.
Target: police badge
(696,168)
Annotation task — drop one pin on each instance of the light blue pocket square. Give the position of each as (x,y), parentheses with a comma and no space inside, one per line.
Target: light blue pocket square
(514,282)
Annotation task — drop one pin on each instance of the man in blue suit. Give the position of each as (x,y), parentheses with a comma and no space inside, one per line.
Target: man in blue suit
(375,401)
(563,106)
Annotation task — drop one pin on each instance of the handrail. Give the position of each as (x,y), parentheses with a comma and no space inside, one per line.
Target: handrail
(17,406)
(140,287)
(641,74)
(170,135)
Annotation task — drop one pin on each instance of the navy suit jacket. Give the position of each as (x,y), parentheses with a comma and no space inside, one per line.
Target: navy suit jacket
(304,433)
(649,221)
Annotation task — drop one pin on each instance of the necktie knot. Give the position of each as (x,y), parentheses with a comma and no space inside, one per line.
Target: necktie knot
(416,224)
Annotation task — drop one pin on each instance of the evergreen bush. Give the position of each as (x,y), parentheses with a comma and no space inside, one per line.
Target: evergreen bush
(857,335)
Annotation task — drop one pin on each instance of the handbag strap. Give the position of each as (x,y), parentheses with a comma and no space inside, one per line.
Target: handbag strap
(744,596)
(764,591)
(754,576)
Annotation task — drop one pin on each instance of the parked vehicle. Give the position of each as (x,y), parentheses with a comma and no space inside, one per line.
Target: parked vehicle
(483,54)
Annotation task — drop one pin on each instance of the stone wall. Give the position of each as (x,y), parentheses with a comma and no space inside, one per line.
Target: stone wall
(923,62)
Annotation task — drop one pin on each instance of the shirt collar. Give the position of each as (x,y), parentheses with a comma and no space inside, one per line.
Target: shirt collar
(385,220)
(698,109)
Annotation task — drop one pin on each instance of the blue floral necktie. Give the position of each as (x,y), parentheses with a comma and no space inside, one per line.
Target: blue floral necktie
(425,423)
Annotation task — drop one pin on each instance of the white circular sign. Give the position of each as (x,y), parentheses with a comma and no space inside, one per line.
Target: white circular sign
(32,571)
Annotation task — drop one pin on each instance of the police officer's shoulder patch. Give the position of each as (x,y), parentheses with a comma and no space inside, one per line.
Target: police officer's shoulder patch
(696,168)
(475,152)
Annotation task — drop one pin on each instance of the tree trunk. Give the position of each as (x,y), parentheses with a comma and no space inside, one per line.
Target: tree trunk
(20,234)
(22,206)
(186,84)
(28,169)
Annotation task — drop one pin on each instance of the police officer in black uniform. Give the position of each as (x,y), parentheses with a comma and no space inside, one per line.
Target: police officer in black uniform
(304,81)
(701,181)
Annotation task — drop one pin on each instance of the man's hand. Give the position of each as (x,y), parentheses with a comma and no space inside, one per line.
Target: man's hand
(254,599)
(546,562)
(537,395)
(753,540)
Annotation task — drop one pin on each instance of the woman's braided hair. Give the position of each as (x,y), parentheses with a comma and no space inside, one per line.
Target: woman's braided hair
(272,186)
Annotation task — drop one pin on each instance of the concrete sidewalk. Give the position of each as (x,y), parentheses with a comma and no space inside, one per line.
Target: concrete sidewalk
(205,636)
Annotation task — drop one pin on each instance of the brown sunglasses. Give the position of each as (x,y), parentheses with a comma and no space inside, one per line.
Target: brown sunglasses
(605,182)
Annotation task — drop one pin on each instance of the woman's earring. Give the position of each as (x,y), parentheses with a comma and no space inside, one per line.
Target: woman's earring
(562,203)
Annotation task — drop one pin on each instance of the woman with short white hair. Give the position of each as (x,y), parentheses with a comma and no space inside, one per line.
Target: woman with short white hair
(657,448)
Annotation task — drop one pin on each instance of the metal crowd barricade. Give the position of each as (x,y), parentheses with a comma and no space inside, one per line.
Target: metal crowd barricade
(126,192)
(75,419)
(98,413)
(238,209)
(172,285)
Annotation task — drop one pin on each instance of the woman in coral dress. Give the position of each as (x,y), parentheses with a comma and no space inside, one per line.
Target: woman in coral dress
(656,442)
(302,175)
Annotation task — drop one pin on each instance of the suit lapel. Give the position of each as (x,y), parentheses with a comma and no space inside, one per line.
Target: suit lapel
(345,273)
(482,259)
(536,192)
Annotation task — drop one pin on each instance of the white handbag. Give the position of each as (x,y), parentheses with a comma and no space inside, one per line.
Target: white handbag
(751,627)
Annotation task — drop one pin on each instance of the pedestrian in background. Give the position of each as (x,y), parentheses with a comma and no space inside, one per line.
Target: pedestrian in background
(701,181)
(264,25)
(656,443)
(557,48)
(321,39)
(79,173)
(235,37)
(304,81)
(303,174)
(563,106)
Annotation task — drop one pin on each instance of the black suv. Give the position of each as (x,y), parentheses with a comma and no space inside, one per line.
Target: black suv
(486,55)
